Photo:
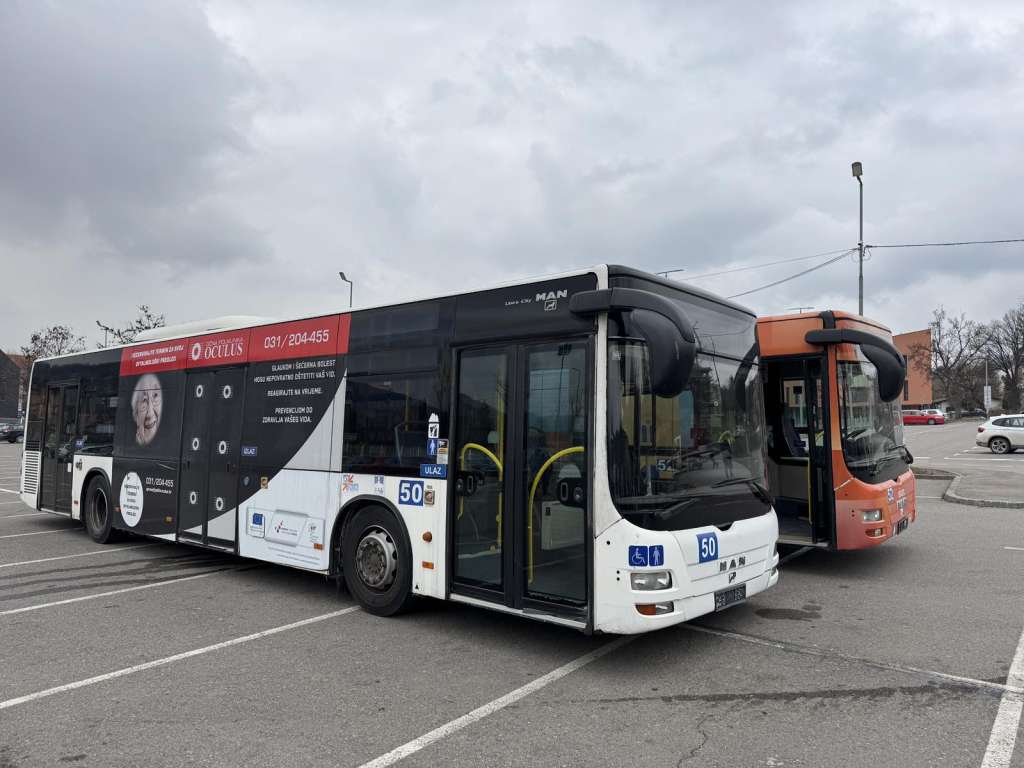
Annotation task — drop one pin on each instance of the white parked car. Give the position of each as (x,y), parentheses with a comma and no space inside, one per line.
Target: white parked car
(1002,434)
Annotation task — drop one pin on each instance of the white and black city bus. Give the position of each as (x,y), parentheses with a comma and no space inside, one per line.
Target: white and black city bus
(586,448)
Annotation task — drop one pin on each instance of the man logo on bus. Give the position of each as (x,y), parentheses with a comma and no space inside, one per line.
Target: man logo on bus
(551,298)
(197,350)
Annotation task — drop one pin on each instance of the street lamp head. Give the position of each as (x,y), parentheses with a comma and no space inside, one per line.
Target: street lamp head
(342,276)
(858,170)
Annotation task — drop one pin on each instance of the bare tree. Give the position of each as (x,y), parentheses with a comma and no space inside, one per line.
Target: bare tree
(954,357)
(51,341)
(1004,347)
(127,333)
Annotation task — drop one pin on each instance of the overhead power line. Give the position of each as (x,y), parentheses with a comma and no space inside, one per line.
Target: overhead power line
(816,267)
(939,245)
(765,264)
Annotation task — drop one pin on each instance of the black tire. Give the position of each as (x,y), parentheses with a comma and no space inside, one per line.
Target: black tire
(999,445)
(98,511)
(377,561)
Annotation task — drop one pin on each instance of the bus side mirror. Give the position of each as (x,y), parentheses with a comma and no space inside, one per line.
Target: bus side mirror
(891,372)
(671,357)
(890,363)
(671,342)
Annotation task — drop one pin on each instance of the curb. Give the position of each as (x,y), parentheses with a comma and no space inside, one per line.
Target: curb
(928,473)
(951,496)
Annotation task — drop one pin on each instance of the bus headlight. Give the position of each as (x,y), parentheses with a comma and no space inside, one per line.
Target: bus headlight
(650,580)
(871,515)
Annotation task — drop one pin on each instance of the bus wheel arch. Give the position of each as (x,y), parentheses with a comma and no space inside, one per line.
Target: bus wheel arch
(97,507)
(374,553)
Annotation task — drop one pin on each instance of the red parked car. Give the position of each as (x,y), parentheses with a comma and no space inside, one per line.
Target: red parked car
(928,416)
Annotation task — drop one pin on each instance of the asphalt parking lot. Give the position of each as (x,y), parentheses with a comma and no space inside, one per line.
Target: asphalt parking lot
(153,654)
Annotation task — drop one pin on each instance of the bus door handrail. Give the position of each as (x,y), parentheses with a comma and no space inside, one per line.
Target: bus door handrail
(501,470)
(529,509)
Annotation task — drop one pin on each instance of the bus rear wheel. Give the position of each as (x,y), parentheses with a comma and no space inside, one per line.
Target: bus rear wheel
(377,561)
(98,512)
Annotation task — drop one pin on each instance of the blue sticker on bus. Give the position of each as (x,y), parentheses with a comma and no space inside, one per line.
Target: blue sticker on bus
(249,450)
(410,492)
(432,447)
(437,471)
(656,555)
(707,547)
(637,556)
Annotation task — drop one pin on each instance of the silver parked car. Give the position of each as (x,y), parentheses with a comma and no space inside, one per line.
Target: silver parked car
(1002,434)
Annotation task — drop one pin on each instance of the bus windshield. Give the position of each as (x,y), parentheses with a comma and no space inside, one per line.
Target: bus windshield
(872,429)
(692,460)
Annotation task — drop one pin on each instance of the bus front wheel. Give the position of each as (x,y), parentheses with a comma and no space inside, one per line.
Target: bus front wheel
(98,512)
(377,561)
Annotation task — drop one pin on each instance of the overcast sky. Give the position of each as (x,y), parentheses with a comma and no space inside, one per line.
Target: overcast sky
(230,157)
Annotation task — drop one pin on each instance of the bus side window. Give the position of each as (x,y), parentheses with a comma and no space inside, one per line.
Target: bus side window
(386,420)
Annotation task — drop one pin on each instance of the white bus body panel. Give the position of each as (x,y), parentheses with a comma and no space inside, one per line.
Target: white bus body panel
(693,583)
(83,466)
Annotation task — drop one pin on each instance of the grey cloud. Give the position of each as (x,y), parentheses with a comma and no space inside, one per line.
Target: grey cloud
(121,113)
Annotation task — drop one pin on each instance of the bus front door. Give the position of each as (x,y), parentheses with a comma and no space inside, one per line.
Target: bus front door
(212,428)
(58,446)
(519,472)
(819,489)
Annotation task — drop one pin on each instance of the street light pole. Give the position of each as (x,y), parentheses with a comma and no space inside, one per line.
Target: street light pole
(858,171)
(342,276)
(666,273)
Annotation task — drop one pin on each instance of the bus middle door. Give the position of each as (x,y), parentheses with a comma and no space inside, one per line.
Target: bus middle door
(210,438)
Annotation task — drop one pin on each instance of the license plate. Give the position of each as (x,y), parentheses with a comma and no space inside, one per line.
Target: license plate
(728,597)
(901,526)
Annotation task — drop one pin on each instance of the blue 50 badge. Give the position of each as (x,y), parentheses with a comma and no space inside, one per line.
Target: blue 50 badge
(411,492)
(707,547)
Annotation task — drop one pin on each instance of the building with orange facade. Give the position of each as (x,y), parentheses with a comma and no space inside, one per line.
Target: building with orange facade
(917,387)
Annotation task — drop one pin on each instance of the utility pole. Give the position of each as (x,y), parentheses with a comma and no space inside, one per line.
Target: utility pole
(858,171)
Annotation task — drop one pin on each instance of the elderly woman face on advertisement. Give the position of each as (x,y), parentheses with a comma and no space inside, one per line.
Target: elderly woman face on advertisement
(147,403)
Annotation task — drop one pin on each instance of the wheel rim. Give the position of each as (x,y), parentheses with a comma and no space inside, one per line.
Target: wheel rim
(98,510)
(376,559)
(999,445)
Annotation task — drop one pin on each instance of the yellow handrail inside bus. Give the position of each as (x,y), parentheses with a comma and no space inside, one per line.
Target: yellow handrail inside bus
(497,462)
(529,509)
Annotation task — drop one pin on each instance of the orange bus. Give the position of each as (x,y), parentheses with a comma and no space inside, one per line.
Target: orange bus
(838,468)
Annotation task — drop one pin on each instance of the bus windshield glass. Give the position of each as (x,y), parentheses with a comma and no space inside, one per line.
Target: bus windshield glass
(691,460)
(872,430)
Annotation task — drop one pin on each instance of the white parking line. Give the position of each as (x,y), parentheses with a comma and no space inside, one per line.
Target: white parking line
(1015,549)
(164,583)
(15,501)
(1004,729)
(409,748)
(36,533)
(7,490)
(782,645)
(79,554)
(960,458)
(26,514)
(171,659)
